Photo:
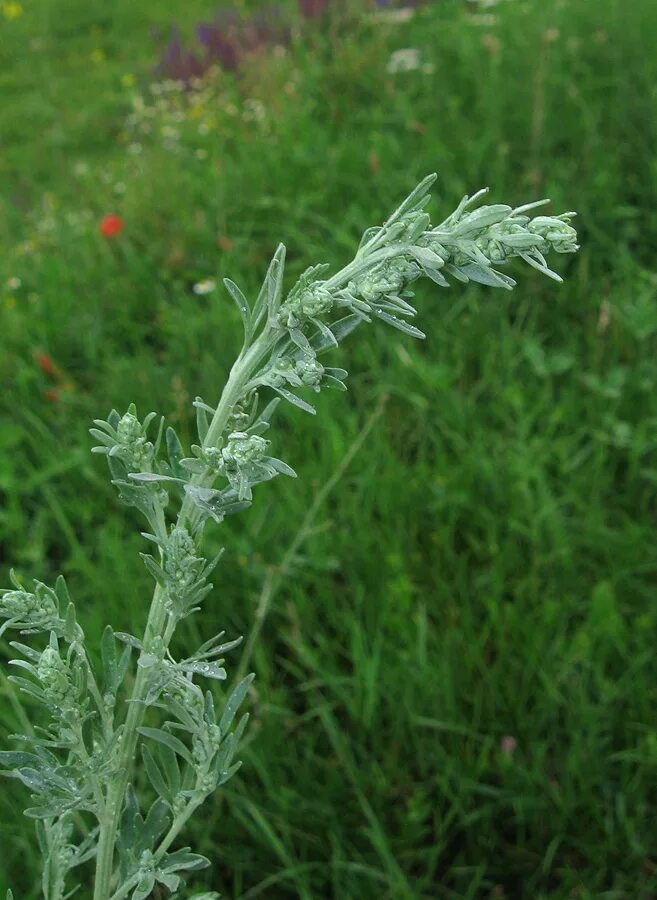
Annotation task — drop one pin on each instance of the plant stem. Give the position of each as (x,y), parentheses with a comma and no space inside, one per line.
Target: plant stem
(117,788)
(243,369)
(239,376)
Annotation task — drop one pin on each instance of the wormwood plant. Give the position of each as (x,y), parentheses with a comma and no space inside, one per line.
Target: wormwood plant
(103,729)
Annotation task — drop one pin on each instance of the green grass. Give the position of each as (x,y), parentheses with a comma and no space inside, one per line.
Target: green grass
(487,564)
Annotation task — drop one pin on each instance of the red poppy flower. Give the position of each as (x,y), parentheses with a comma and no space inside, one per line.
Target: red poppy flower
(111,226)
(46,364)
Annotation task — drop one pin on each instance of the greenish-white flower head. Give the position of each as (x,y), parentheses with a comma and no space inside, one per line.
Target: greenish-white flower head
(312,301)
(28,606)
(134,449)
(243,450)
(56,678)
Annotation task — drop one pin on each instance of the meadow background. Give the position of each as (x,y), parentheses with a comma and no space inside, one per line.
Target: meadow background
(457,680)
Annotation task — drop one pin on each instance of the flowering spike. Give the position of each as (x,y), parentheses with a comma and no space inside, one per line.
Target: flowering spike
(82,763)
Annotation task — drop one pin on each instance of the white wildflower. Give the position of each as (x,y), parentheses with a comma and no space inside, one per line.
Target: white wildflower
(405,60)
(201,288)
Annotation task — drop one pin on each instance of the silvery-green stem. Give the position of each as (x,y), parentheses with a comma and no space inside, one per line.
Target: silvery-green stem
(155,625)
(117,788)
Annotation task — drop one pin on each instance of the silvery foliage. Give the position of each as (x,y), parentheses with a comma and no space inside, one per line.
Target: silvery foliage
(79,763)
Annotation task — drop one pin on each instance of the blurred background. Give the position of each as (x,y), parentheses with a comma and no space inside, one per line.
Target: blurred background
(457,679)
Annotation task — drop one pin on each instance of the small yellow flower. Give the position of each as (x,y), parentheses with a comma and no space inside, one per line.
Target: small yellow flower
(128,80)
(10,303)
(12,10)
(97,55)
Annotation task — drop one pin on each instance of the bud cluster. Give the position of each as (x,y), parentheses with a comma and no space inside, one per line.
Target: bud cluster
(245,462)
(133,447)
(38,611)
(126,438)
(492,235)
(56,678)
(184,571)
(303,370)
(312,301)
(388,278)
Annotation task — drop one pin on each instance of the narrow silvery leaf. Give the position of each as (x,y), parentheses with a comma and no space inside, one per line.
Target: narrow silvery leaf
(72,630)
(234,702)
(169,740)
(174,450)
(275,281)
(202,423)
(182,860)
(301,340)
(486,275)
(330,382)
(167,760)
(212,648)
(399,324)
(61,590)
(227,774)
(524,241)
(296,401)
(28,652)
(21,664)
(369,236)
(208,669)
(27,687)
(541,268)
(155,776)
(427,258)
(156,571)
(269,410)
(18,758)
(420,225)
(456,272)
(52,810)
(519,210)
(242,304)
(325,339)
(481,218)
(129,639)
(195,466)
(171,882)
(262,303)
(413,200)
(144,887)
(281,467)
(401,305)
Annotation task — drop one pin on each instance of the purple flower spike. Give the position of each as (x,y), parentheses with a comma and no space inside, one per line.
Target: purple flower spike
(313,9)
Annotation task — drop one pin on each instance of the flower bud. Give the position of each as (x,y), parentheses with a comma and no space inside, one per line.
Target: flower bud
(180,556)
(314,300)
(213,459)
(55,676)
(282,372)
(133,447)
(560,235)
(309,371)
(243,449)
(34,608)
(129,429)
